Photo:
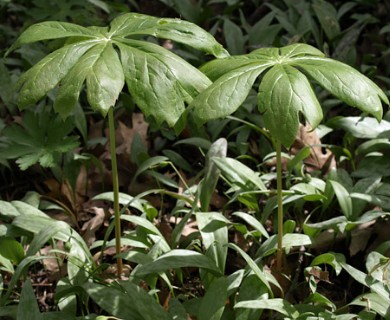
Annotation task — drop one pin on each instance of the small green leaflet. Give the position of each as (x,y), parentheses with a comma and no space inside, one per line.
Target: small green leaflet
(41,138)
(107,58)
(285,91)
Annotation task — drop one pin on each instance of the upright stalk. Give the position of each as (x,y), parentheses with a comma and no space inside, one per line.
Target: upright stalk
(115,184)
(279,255)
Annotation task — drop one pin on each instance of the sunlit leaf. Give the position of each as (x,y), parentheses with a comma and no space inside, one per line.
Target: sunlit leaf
(279,305)
(178,258)
(253,222)
(364,128)
(175,29)
(142,305)
(215,242)
(52,30)
(373,301)
(217,149)
(11,249)
(345,83)
(239,174)
(251,289)
(344,199)
(159,81)
(284,92)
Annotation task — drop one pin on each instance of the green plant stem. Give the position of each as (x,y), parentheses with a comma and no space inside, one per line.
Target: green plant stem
(115,185)
(279,255)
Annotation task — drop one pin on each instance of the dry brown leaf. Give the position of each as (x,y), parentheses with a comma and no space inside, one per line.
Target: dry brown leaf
(360,237)
(190,227)
(320,158)
(92,225)
(319,274)
(124,134)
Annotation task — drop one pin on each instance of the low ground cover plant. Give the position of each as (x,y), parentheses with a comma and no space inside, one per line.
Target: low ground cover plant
(224,201)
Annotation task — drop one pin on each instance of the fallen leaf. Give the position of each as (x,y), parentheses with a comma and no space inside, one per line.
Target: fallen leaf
(320,158)
(92,225)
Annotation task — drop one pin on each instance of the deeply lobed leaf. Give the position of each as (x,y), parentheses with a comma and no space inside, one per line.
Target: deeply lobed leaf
(160,82)
(284,92)
(47,73)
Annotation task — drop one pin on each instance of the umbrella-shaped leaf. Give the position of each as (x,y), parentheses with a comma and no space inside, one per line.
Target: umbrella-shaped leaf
(159,81)
(102,70)
(188,79)
(284,91)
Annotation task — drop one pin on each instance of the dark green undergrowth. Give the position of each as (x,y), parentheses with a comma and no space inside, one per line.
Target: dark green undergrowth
(163,164)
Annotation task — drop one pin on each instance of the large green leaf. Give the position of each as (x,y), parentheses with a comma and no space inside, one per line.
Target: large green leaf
(345,83)
(47,73)
(174,29)
(159,81)
(147,81)
(284,92)
(101,68)
(227,93)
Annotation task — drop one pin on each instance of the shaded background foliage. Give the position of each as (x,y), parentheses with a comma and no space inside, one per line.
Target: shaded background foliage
(355,32)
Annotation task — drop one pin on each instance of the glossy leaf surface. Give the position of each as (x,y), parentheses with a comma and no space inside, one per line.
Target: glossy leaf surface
(107,58)
(285,91)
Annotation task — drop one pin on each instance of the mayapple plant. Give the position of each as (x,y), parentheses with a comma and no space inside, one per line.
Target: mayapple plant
(284,93)
(105,58)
